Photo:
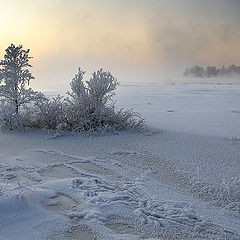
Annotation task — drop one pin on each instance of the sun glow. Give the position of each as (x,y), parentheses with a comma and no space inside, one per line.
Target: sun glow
(129,34)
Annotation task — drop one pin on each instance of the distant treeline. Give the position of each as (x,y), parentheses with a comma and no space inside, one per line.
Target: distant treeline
(211,71)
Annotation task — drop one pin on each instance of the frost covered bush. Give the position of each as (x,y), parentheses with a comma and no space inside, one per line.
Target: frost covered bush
(11,120)
(50,113)
(8,116)
(88,107)
(91,108)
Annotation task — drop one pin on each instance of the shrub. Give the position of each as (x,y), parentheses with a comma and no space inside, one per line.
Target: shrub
(91,108)
(9,119)
(88,107)
(50,113)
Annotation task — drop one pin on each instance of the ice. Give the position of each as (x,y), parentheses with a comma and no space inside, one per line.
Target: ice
(177,180)
(209,109)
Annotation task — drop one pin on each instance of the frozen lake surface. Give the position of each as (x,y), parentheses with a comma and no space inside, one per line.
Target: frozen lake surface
(178,180)
(210,109)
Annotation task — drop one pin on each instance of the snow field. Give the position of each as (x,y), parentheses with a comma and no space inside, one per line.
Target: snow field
(162,184)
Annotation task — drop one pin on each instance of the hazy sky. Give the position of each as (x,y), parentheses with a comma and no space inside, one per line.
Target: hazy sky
(137,40)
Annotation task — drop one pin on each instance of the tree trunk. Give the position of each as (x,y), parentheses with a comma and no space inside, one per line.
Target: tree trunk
(16,91)
(17,107)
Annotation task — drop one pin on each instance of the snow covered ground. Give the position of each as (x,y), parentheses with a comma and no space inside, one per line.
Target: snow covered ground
(179,180)
(210,109)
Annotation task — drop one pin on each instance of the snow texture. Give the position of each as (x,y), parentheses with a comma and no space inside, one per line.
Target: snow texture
(168,183)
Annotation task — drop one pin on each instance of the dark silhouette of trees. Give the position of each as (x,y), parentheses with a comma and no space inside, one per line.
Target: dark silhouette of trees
(211,71)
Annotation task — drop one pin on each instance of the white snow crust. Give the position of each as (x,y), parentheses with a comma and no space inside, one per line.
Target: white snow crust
(178,180)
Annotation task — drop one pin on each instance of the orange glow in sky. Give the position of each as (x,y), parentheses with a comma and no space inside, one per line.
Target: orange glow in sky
(143,36)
